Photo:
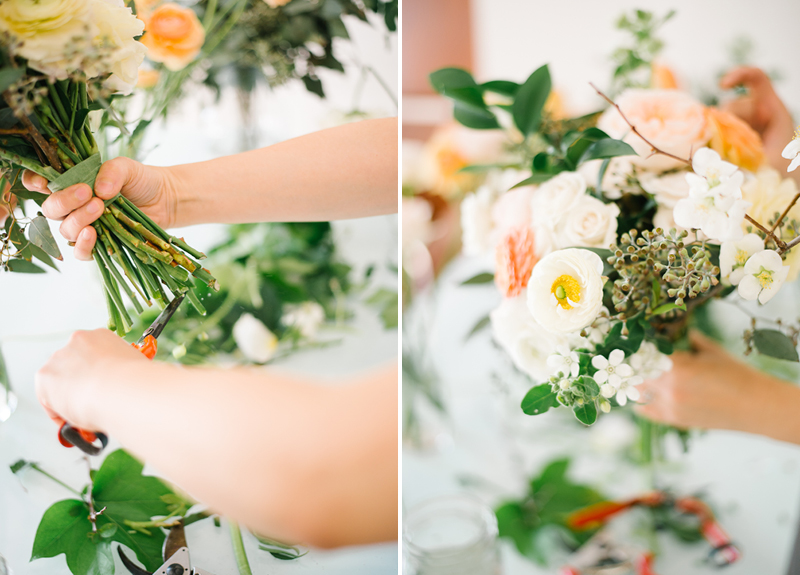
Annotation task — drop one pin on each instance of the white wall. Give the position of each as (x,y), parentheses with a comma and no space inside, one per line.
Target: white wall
(576,37)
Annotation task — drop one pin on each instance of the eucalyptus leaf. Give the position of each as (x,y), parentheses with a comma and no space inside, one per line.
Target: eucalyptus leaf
(775,344)
(479,326)
(83,173)
(22,266)
(10,75)
(41,236)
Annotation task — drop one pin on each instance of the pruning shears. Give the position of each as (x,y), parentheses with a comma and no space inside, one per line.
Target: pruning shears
(176,556)
(93,442)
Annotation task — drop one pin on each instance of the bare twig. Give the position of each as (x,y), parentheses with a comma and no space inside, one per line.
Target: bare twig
(44,145)
(653,147)
(780,243)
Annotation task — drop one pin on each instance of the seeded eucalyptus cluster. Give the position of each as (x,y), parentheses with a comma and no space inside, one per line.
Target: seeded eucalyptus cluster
(655,263)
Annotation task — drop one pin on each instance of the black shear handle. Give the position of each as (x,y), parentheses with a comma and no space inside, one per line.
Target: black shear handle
(72,435)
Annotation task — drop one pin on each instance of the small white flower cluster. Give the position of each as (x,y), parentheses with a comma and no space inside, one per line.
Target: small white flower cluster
(759,273)
(714,205)
(62,37)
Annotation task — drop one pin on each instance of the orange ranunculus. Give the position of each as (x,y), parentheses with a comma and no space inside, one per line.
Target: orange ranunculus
(147,78)
(734,140)
(173,35)
(144,8)
(515,257)
(662,77)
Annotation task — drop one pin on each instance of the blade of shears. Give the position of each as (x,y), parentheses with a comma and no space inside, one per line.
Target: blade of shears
(163,318)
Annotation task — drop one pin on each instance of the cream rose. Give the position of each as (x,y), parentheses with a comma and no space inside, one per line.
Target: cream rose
(589,224)
(618,178)
(116,29)
(553,200)
(671,120)
(666,189)
(528,344)
(565,292)
(254,339)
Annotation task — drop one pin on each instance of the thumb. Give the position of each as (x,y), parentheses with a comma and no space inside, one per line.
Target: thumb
(114,175)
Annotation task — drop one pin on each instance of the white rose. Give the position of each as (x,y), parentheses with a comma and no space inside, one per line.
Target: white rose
(53,33)
(589,224)
(666,189)
(256,342)
(618,178)
(476,221)
(528,344)
(565,292)
(306,318)
(116,29)
(553,199)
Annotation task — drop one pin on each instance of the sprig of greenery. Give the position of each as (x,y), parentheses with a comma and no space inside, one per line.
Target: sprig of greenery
(634,62)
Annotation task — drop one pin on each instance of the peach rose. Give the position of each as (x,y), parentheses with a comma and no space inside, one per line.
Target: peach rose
(147,78)
(671,120)
(734,140)
(515,256)
(173,35)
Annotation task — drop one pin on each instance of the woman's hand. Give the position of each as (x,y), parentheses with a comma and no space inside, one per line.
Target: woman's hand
(763,109)
(67,384)
(151,188)
(710,389)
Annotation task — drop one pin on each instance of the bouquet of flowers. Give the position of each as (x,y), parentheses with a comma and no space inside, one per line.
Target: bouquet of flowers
(59,61)
(611,230)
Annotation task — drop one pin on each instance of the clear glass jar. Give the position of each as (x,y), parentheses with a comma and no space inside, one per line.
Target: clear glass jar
(453,535)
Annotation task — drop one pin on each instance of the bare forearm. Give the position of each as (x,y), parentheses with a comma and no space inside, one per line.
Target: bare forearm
(775,411)
(290,459)
(345,172)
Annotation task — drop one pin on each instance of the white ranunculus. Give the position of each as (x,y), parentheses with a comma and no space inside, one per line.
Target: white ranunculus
(565,292)
(116,29)
(554,199)
(528,344)
(648,362)
(715,204)
(764,274)
(733,254)
(306,318)
(476,221)
(667,189)
(589,224)
(792,152)
(254,339)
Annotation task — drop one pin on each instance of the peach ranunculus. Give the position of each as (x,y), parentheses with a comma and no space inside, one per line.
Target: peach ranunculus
(734,140)
(173,35)
(672,120)
(515,256)
(662,77)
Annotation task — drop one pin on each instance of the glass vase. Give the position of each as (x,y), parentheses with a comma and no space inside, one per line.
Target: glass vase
(454,535)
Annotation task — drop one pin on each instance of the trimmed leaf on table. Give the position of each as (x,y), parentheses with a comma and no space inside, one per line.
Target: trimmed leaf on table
(775,344)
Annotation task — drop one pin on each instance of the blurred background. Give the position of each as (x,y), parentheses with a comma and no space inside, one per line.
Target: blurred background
(464,432)
(356,259)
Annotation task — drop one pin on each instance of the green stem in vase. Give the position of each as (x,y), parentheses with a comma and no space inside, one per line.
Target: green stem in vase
(242,564)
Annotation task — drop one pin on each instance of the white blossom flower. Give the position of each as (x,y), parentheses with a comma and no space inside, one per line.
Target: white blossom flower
(564,361)
(648,362)
(554,199)
(764,274)
(254,339)
(733,254)
(627,390)
(306,318)
(600,327)
(526,342)
(565,292)
(611,372)
(792,152)
(715,203)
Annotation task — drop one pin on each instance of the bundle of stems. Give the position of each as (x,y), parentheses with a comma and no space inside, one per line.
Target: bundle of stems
(134,255)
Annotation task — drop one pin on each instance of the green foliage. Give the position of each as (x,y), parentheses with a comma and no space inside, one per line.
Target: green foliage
(775,343)
(479,279)
(539,399)
(530,99)
(543,509)
(633,62)
(479,326)
(386,301)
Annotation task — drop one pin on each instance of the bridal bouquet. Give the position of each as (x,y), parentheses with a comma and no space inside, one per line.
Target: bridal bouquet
(611,230)
(59,61)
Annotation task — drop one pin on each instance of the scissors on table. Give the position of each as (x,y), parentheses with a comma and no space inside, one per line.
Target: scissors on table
(91,442)
(176,556)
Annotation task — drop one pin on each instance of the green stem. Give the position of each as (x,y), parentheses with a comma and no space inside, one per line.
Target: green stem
(132,241)
(106,257)
(113,291)
(127,266)
(32,165)
(36,467)
(113,315)
(238,549)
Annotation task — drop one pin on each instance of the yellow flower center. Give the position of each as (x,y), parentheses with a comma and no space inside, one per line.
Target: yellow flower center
(796,133)
(764,277)
(741,257)
(566,289)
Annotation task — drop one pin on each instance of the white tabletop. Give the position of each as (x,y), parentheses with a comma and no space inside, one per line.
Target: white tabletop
(752,482)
